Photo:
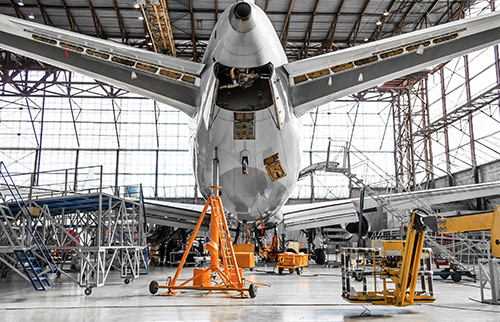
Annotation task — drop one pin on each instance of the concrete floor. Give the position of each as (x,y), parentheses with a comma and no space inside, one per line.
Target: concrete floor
(313,296)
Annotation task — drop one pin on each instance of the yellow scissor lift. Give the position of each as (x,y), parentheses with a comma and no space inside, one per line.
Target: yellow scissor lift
(223,261)
(394,266)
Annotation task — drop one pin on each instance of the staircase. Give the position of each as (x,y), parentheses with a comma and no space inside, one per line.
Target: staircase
(33,270)
(19,239)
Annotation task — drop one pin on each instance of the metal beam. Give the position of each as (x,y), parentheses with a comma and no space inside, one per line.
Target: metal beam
(307,39)
(123,32)
(216,11)
(355,29)
(378,30)
(44,14)
(284,31)
(19,14)
(446,136)
(333,27)
(399,27)
(193,37)
(71,20)
(484,99)
(99,30)
(424,17)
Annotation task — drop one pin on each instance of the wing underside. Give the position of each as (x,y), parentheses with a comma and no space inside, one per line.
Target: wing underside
(328,213)
(175,214)
(325,78)
(169,80)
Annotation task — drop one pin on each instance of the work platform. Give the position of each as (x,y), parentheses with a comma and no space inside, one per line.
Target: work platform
(73,203)
(80,228)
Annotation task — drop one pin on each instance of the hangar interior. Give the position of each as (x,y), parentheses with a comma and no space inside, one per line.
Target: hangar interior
(67,140)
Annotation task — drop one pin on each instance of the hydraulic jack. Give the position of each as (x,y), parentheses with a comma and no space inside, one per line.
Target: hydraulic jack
(223,262)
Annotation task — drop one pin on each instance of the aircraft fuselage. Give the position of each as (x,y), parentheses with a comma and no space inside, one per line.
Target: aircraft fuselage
(247,117)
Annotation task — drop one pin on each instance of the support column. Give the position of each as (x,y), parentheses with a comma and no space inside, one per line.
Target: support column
(117,170)
(77,156)
(429,159)
(497,69)
(445,130)
(312,178)
(410,154)
(472,141)
(497,58)
(156,173)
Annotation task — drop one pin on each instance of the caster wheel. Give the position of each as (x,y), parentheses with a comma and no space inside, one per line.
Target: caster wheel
(251,269)
(358,277)
(58,274)
(456,277)
(298,270)
(153,287)
(126,281)
(280,270)
(252,290)
(88,291)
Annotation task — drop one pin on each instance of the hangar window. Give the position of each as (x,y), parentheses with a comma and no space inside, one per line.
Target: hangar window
(244,89)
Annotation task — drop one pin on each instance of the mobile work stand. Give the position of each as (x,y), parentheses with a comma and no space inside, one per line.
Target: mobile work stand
(222,259)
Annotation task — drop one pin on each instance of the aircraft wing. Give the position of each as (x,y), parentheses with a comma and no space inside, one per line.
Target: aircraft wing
(328,213)
(166,79)
(320,214)
(175,214)
(325,78)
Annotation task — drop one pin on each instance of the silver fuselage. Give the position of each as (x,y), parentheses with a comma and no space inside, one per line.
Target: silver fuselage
(246,44)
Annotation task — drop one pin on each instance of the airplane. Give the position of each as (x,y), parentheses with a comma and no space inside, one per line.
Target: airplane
(245,97)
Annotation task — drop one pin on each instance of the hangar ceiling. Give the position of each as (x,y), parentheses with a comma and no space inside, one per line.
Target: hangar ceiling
(306,27)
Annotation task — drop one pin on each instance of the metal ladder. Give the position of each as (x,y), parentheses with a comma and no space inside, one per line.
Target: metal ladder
(18,229)
(33,270)
(158,23)
(228,256)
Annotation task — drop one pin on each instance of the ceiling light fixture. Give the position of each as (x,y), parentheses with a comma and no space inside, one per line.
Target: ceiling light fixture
(141,18)
(366,38)
(20,3)
(136,5)
(378,23)
(31,16)
(386,13)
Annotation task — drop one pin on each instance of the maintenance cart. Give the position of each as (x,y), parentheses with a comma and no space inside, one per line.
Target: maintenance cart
(292,262)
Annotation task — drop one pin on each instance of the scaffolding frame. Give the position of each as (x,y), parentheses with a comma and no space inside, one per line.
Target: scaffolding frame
(89,228)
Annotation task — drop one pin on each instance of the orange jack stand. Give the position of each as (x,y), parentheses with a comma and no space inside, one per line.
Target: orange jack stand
(222,259)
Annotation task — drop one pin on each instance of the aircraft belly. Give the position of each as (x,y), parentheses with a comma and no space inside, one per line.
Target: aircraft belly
(254,194)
